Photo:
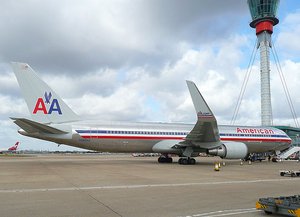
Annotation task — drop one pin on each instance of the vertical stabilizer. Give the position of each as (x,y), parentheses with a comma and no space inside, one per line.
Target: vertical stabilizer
(14,148)
(44,105)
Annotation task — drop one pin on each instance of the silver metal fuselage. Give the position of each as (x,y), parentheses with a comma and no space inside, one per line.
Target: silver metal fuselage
(141,137)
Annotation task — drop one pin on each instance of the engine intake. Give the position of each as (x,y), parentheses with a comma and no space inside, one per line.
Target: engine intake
(230,150)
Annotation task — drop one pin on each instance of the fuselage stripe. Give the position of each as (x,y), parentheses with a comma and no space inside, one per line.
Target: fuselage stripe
(145,135)
(132,137)
(182,138)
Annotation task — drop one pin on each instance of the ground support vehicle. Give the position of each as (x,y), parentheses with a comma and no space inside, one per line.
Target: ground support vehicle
(291,173)
(288,206)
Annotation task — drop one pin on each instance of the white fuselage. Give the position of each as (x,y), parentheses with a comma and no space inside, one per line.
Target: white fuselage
(141,137)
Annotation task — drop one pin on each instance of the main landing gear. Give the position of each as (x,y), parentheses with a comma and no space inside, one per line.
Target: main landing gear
(187,161)
(165,159)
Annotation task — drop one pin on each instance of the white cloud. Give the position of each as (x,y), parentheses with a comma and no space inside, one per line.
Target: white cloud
(287,39)
(102,82)
(85,36)
(168,88)
(11,106)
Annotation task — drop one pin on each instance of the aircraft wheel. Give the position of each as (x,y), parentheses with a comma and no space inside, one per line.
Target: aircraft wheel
(161,159)
(184,161)
(187,161)
(192,161)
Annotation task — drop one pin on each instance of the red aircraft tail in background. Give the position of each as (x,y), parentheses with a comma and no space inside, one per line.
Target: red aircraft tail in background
(11,149)
(14,148)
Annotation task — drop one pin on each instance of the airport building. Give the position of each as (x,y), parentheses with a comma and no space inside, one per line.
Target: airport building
(293,133)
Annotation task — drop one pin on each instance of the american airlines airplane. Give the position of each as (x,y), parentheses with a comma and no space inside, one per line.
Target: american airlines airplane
(52,120)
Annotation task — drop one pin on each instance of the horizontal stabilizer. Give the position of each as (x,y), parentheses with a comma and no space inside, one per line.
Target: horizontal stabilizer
(34,127)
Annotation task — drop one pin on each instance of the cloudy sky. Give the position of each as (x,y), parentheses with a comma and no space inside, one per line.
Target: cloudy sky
(128,60)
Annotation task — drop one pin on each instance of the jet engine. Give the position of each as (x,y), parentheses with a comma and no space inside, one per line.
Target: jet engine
(230,150)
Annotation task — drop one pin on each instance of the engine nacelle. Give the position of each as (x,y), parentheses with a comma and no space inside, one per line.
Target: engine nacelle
(230,150)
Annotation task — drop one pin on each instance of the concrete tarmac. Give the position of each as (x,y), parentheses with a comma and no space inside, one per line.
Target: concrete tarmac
(122,185)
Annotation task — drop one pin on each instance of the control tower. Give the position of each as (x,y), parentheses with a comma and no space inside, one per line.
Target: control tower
(263,13)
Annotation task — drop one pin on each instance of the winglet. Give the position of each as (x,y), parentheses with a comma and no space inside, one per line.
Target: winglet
(201,107)
(205,132)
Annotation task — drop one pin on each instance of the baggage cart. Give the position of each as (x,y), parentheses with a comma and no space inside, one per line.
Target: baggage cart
(289,206)
(291,173)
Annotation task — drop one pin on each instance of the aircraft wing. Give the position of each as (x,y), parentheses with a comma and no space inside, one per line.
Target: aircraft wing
(205,133)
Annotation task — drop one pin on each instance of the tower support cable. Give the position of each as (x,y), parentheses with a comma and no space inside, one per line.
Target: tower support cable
(285,87)
(244,85)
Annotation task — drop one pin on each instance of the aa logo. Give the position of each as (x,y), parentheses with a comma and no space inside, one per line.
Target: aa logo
(40,105)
